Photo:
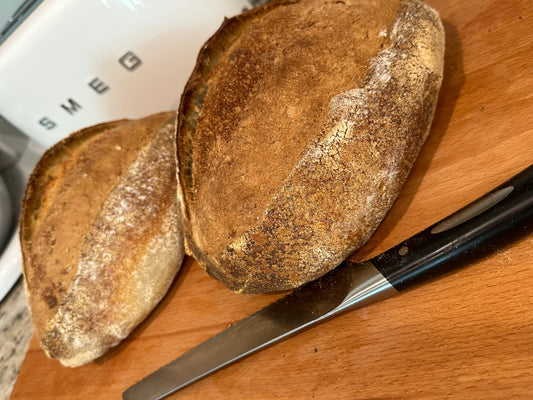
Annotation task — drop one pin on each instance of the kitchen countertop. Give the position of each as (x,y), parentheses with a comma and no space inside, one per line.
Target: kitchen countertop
(15,333)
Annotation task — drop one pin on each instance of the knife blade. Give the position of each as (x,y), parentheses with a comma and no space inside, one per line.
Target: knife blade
(492,222)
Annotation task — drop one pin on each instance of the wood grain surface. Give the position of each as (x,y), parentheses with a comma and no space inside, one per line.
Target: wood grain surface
(466,336)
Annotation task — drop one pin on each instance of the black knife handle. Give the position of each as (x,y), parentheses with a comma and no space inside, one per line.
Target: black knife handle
(493,221)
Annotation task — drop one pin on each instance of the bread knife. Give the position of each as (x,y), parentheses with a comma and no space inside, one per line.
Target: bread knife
(490,223)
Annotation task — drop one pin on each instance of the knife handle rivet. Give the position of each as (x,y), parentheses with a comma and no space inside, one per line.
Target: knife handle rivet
(403,250)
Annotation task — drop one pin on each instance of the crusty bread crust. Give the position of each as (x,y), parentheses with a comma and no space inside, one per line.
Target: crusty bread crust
(288,163)
(100,235)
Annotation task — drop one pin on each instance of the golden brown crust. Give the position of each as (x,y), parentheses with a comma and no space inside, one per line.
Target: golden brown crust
(100,236)
(284,83)
(297,130)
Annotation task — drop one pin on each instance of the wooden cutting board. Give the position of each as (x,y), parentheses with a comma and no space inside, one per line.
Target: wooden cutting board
(468,335)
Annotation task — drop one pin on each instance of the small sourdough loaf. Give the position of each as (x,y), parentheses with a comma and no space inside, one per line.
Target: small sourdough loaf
(296,131)
(100,237)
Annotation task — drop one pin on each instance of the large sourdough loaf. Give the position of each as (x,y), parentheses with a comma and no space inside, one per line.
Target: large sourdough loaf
(100,235)
(297,130)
